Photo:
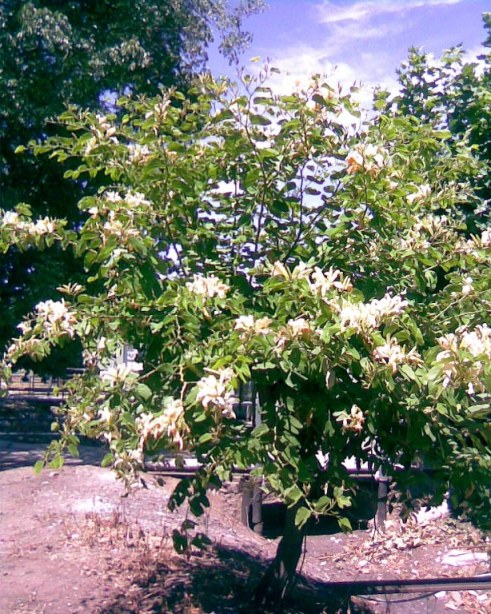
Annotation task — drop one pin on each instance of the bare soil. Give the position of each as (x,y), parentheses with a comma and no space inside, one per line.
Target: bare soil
(72,541)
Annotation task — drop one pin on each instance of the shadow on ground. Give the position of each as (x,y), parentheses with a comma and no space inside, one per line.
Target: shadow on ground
(221,581)
(17,452)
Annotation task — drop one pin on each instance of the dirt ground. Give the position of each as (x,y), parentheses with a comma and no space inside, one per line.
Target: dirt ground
(71,542)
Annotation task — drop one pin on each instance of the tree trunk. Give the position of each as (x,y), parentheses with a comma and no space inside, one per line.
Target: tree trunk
(279,577)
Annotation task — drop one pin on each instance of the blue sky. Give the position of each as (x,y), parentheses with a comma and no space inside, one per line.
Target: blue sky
(364,39)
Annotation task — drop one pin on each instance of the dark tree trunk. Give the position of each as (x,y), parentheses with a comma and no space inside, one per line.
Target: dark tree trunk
(280,575)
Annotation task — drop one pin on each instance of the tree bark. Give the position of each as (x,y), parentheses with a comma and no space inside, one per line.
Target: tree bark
(280,575)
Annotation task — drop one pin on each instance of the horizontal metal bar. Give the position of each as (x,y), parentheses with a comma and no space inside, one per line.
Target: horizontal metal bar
(388,587)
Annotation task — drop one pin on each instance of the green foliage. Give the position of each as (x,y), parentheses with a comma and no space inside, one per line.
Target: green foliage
(454,94)
(53,54)
(234,235)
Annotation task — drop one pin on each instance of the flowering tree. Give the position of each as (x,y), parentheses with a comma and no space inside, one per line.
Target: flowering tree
(85,53)
(245,236)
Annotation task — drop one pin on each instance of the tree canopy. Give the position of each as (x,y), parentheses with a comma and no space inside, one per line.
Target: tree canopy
(234,235)
(84,52)
(454,94)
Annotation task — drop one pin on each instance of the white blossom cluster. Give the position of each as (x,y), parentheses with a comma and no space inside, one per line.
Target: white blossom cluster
(209,286)
(214,391)
(460,369)
(393,355)
(102,130)
(249,326)
(366,157)
(127,205)
(169,424)
(138,154)
(56,317)
(422,192)
(12,221)
(104,127)
(472,246)
(353,421)
(159,110)
(122,374)
(299,328)
(320,282)
(366,317)
(428,231)
(115,227)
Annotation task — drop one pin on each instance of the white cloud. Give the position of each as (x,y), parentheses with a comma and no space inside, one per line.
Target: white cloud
(363,44)
(331,13)
(297,64)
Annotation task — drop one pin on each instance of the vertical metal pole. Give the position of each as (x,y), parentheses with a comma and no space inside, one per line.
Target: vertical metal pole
(246,502)
(257,509)
(383,490)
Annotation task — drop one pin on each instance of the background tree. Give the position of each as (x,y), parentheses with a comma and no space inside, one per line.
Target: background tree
(239,235)
(453,94)
(84,52)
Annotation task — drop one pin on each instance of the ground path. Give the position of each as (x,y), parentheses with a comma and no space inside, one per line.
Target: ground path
(70,542)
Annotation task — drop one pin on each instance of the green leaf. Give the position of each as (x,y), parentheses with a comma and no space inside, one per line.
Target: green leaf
(259,120)
(143,392)
(73,450)
(107,460)
(344,524)
(39,466)
(293,494)
(322,504)
(180,541)
(57,462)
(302,516)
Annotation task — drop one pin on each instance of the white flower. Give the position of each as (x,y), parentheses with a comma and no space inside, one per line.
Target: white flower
(11,218)
(121,374)
(56,316)
(393,355)
(106,128)
(323,459)
(486,238)
(170,424)
(159,110)
(112,197)
(478,341)
(364,317)
(422,193)
(354,420)
(106,415)
(136,199)
(42,227)
(461,370)
(299,327)
(24,327)
(214,391)
(209,286)
(366,157)
(301,271)
(248,325)
(244,323)
(101,344)
(279,270)
(321,283)
(138,153)
(467,287)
